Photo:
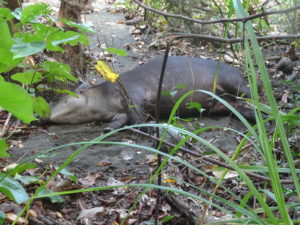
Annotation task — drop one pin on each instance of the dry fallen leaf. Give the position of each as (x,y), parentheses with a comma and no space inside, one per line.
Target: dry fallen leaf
(90,213)
(113,182)
(101,164)
(32,213)
(9,167)
(10,217)
(90,179)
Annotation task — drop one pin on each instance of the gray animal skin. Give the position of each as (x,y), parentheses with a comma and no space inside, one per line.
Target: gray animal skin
(104,102)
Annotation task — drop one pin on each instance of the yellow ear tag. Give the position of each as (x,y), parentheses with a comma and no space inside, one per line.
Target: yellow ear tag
(106,72)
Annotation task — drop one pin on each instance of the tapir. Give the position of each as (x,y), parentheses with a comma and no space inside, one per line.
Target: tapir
(105,103)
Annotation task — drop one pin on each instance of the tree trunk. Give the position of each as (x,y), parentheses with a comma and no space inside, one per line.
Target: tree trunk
(13,4)
(71,10)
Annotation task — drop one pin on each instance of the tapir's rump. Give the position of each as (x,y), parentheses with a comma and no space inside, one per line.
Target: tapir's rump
(105,103)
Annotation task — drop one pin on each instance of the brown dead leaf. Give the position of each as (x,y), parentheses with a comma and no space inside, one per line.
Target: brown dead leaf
(62,185)
(113,182)
(101,164)
(113,11)
(285,97)
(38,160)
(90,179)
(170,181)
(90,213)
(10,217)
(58,214)
(32,213)
(128,179)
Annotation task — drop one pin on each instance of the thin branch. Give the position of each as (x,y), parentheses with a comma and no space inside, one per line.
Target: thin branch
(223,20)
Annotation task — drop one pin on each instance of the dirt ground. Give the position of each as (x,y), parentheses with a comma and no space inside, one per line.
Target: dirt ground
(103,165)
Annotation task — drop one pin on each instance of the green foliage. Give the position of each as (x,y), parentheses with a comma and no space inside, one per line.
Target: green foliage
(194,105)
(30,37)
(85,27)
(41,107)
(29,77)
(22,49)
(26,42)
(16,100)
(119,52)
(5,15)
(12,189)
(20,168)
(53,199)
(31,13)
(2,217)
(70,175)
(26,179)
(57,71)
(7,62)
(3,148)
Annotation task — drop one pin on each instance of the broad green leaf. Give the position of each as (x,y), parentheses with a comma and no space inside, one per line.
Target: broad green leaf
(17,13)
(66,172)
(180,86)
(5,15)
(17,101)
(65,91)
(2,217)
(30,13)
(28,77)
(194,105)
(58,71)
(84,27)
(12,189)
(41,107)
(26,49)
(53,199)
(3,148)
(66,40)
(166,93)
(167,219)
(83,39)
(70,37)
(20,168)
(117,51)
(6,56)
(41,33)
(26,179)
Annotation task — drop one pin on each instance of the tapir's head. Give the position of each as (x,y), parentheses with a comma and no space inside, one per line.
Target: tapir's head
(68,110)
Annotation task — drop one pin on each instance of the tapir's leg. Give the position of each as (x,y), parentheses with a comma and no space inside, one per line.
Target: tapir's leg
(246,112)
(119,120)
(220,109)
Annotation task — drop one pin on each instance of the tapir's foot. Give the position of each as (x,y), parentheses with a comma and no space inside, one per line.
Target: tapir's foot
(119,120)
(39,122)
(107,130)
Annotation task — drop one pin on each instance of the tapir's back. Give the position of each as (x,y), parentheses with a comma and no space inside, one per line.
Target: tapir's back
(193,73)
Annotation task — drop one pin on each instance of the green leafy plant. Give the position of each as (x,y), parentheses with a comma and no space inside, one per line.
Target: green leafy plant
(31,37)
(33,33)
